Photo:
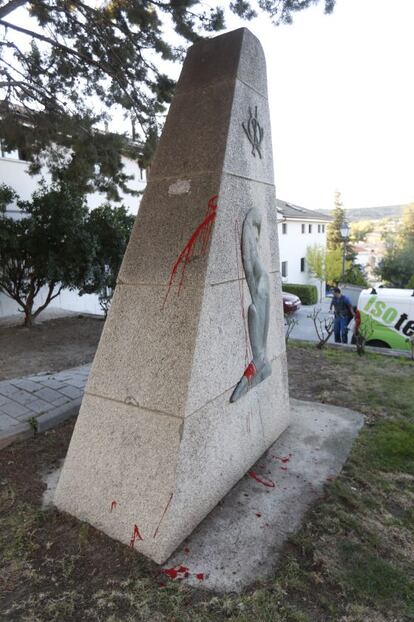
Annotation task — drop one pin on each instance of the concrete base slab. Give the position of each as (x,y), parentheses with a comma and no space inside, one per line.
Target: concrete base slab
(241,539)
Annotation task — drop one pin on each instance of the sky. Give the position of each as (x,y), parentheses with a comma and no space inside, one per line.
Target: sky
(341,95)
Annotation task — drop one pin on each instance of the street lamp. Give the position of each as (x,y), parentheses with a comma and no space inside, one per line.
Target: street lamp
(344,229)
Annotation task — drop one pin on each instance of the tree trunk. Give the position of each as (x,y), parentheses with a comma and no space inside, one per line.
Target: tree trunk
(28,319)
(28,314)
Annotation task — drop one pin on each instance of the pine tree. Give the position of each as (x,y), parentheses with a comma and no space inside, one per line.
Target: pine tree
(335,243)
(79,60)
(334,238)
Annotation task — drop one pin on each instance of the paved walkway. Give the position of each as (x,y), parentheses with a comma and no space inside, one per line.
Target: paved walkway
(39,401)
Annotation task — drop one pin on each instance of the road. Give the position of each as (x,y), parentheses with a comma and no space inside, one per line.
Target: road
(305,329)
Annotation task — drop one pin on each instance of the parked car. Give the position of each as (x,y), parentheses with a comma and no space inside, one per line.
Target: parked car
(291,302)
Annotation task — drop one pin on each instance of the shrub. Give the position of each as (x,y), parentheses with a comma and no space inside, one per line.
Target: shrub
(308,294)
(110,227)
(47,250)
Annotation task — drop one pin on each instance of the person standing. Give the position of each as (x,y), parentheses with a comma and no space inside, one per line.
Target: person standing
(344,312)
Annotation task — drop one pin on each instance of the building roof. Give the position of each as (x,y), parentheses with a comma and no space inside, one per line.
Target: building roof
(288,210)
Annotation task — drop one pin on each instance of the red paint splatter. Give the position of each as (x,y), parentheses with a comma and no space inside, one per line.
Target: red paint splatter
(186,550)
(135,536)
(202,233)
(178,572)
(250,371)
(200,576)
(261,480)
(283,459)
(113,505)
(163,514)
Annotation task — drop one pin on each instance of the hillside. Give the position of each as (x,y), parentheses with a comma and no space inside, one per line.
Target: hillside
(371,213)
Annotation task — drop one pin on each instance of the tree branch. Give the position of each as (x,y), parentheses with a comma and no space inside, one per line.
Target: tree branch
(49,298)
(11,6)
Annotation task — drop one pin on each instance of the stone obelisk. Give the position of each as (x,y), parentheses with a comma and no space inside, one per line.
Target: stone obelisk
(189,385)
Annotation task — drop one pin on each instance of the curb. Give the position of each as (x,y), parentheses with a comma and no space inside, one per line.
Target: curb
(351,346)
(44,422)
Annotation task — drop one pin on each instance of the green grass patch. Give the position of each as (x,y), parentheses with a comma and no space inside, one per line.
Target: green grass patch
(374,579)
(390,446)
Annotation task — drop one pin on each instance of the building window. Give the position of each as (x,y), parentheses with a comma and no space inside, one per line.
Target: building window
(284,227)
(284,268)
(303,228)
(323,228)
(309,228)
(319,228)
(302,264)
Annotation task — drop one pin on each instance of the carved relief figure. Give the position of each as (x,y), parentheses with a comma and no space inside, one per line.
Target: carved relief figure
(258,313)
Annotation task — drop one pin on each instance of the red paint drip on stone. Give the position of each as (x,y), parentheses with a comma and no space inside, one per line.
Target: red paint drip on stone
(177,572)
(202,233)
(135,536)
(200,576)
(283,459)
(261,480)
(113,505)
(250,371)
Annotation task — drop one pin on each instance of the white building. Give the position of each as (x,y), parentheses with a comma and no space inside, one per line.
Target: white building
(298,229)
(13,172)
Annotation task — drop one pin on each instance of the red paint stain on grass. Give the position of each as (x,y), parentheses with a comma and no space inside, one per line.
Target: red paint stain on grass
(261,480)
(135,536)
(202,234)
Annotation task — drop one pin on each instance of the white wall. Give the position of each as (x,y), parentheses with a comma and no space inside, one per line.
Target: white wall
(13,172)
(293,246)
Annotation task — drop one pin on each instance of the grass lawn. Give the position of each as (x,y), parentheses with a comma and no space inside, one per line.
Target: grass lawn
(352,561)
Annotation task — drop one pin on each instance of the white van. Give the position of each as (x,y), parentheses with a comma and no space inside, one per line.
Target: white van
(387,317)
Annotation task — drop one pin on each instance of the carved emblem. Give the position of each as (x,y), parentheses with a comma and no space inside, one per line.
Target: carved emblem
(254,132)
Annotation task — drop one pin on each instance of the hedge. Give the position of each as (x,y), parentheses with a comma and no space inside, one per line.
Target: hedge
(308,294)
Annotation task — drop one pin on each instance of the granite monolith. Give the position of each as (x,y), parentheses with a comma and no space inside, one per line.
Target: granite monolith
(196,319)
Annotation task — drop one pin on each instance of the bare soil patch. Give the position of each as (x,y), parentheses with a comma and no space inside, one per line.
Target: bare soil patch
(50,346)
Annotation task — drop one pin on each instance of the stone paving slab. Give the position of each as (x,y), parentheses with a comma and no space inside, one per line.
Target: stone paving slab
(48,398)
